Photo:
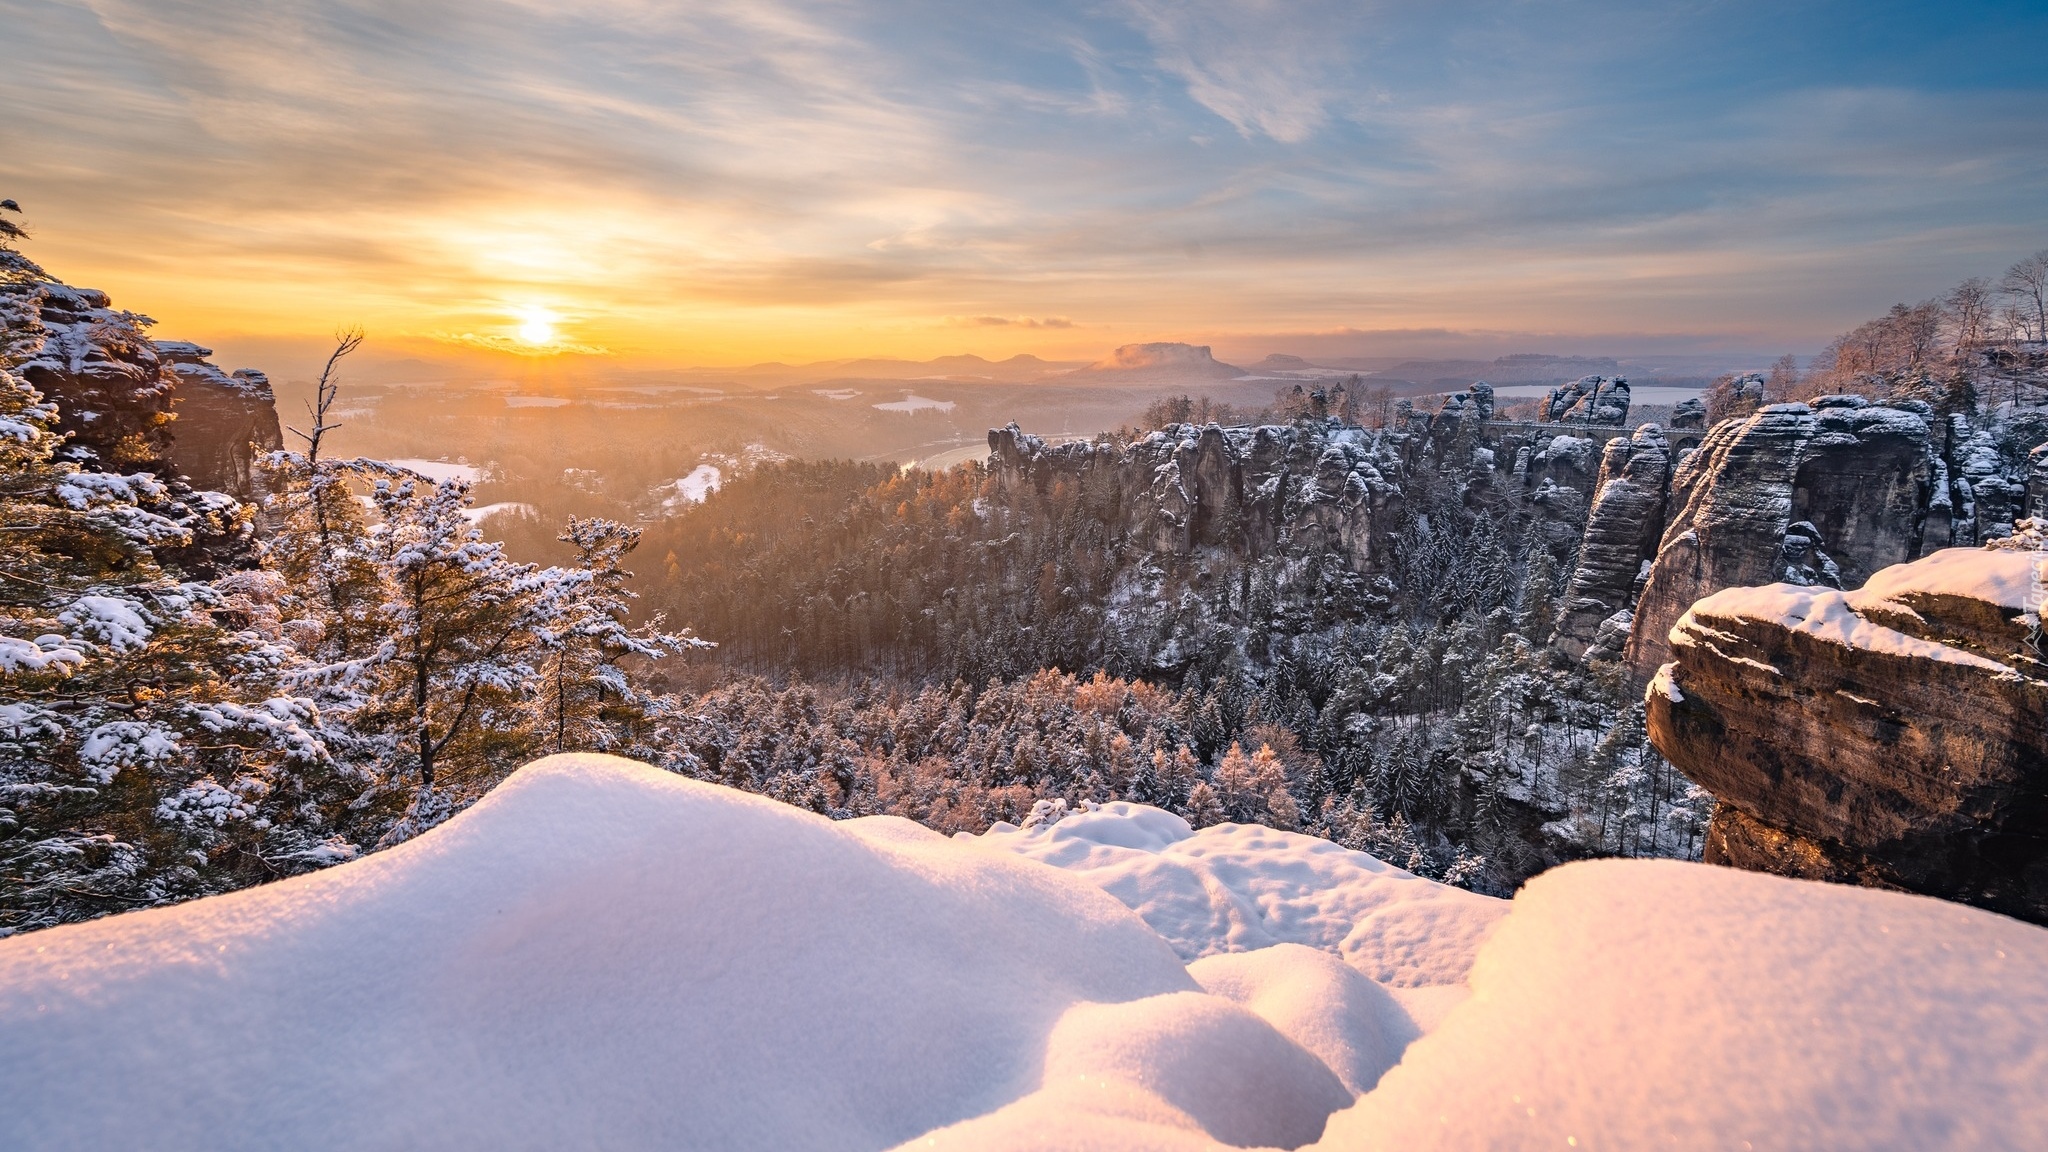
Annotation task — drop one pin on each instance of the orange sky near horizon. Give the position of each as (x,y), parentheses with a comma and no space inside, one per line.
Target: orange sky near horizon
(727,182)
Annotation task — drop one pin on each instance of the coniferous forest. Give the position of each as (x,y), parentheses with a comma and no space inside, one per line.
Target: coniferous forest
(206,693)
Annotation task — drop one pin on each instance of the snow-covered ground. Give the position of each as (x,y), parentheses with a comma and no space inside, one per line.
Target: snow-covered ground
(915,403)
(600,955)
(502,508)
(440,470)
(702,481)
(536,401)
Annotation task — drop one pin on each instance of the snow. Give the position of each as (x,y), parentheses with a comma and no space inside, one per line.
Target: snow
(2001,577)
(1662,683)
(536,401)
(116,621)
(915,403)
(1652,1004)
(600,954)
(440,471)
(18,655)
(1997,576)
(695,488)
(512,507)
(1236,887)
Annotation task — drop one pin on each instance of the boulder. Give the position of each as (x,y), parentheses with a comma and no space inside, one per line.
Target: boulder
(1892,736)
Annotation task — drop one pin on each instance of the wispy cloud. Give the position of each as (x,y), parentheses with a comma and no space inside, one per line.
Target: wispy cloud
(1010,321)
(749,179)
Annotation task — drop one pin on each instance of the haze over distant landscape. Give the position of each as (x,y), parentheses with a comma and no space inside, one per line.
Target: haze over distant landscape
(911,180)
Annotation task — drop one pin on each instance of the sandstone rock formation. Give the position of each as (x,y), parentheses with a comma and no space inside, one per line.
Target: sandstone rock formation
(1621,534)
(104,374)
(1248,490)
(1589,400)
(2037,483)
(223,420)
(1895,736)
(1763,495)
(1163,361)
(132,404)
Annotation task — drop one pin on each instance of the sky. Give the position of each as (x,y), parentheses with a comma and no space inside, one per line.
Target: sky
(730,181)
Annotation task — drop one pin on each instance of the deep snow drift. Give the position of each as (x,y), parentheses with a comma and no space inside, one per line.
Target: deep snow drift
(602,955)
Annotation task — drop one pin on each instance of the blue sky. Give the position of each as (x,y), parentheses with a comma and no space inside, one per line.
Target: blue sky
(728,181)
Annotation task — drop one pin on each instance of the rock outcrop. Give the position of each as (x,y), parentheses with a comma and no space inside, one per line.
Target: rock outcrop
(1827,493)
(93,359)
(2037,483)
(1892,736)
(223,420)
(1621,535)
(1249,491)
(1589,400)
(132,404)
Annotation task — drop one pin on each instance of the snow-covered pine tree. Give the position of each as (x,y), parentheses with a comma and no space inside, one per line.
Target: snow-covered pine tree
(586,700)
(446,688)
(144,756)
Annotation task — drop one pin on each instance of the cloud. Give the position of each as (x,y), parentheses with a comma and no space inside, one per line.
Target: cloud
(1010,322)
(1269,67)
(766,173)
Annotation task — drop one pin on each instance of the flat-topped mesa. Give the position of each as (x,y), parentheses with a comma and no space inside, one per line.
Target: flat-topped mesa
(1892,736)
(1621,535)
(1824,493)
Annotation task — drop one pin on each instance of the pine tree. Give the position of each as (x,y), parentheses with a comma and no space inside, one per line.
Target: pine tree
(585,698)
(143,752)
(1204,809)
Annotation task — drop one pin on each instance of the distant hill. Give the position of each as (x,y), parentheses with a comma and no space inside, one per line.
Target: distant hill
(1161,362)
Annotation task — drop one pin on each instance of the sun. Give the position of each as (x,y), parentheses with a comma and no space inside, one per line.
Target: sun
(537,326)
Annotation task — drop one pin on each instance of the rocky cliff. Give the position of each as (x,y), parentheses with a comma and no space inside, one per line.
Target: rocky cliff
(132,404)
(1825,493)
(223,420)
(1892,736)
(1244,490)
(1622,530)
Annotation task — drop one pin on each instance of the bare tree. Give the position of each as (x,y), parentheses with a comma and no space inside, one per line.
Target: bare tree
(1783,383)
(2027,283)
(345,341)
(1969,308)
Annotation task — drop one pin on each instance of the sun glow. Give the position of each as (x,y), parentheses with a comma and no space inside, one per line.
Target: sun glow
(537,326)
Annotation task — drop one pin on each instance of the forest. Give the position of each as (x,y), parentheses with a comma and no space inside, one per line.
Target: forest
(203,694)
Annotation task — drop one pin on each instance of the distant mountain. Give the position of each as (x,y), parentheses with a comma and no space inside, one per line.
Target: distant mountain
(1017,369)
(1161,362)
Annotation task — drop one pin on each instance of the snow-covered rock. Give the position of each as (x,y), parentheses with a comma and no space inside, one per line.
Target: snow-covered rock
(1891,735)
(1657,1004)
(1849,475)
